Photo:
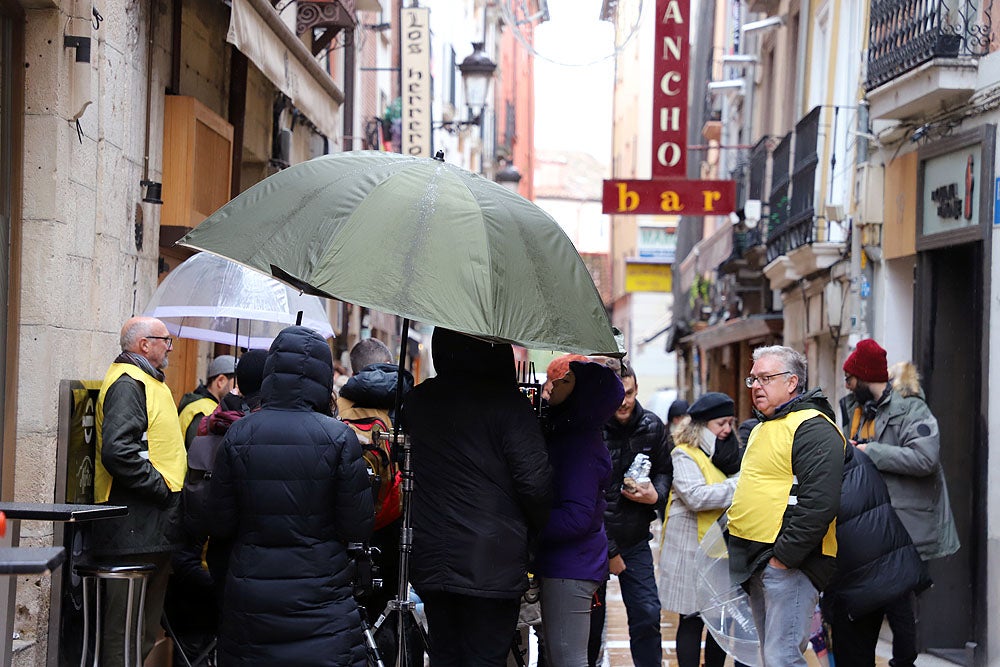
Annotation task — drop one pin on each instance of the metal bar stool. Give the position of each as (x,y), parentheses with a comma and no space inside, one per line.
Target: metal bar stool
(94,573)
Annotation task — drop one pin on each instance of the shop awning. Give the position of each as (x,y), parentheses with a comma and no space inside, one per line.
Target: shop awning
(734,331)
(259,33)
(661,327)
(707,255)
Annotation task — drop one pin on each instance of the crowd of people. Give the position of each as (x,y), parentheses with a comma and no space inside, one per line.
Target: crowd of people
(257,536)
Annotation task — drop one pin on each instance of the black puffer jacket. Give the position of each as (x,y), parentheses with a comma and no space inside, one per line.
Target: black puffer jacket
(374,386)
(482,480)
(290,489)
(626,521)
(876,560)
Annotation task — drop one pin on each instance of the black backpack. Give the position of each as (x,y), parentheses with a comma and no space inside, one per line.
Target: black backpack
(194,496)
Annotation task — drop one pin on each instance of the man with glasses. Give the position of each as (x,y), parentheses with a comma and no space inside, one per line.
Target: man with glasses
(140,462)
(892,424)
(782,523)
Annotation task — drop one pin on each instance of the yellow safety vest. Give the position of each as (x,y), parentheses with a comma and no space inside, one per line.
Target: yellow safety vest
(712,475)
(766,480)
(164,441)
(202,406)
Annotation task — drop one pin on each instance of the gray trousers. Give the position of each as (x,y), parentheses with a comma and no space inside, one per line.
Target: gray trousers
(566,620)
(783,603)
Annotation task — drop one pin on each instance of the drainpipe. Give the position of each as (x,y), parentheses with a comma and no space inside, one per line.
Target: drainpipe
(800,59)
(347,110)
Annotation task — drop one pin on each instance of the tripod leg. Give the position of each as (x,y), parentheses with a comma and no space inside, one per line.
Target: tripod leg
(516,651)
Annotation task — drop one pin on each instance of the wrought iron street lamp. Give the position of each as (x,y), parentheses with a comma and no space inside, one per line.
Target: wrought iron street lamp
(508,176)
(477,79)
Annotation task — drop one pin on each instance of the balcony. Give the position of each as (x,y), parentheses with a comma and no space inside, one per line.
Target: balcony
(922,54)
(778,203)
(799,243)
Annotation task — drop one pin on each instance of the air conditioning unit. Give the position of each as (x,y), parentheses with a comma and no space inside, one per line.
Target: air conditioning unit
(869,193)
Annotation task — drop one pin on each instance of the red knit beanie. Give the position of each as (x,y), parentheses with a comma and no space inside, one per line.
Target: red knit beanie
(867,362)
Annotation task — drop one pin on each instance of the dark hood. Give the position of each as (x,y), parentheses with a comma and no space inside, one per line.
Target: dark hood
(597,394)
(298,373)
(375,386)
(458,354)
(814,399)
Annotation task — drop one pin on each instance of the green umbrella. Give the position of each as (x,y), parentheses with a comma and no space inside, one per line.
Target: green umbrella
(418,238)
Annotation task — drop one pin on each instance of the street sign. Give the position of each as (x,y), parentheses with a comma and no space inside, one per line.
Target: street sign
(651,277)
(670,193)
(996,202)
(670,88)
(673,196)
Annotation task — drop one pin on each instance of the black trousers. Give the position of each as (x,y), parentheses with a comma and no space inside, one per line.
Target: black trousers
(689,633)
(467,631)
(854,641)
(903,623)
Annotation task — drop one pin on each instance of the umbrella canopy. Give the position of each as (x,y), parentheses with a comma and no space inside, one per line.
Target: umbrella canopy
(724,606)
(208,297)
(418,238)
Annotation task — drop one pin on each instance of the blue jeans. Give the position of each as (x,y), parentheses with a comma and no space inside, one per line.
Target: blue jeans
(642,605)
(782,602)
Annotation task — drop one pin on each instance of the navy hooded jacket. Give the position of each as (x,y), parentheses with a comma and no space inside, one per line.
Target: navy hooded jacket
(573,544)
(876,560)
(291,490)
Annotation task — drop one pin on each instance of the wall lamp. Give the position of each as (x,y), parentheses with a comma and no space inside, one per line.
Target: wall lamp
(730,85)
(739,59)
(153,192)
(763,24)
(477,79)
(508,176)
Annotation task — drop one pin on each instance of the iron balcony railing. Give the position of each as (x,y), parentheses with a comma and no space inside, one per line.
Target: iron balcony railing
(804,167)
(778,204)
(745,241)
(904,34)
(758,169)
(789,236)
(794,227)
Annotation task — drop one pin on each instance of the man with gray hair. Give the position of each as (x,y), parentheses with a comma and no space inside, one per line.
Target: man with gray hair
(140,462)
(782,523)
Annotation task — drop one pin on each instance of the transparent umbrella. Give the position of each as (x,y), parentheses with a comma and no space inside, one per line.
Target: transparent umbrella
(724,606)
(208,297)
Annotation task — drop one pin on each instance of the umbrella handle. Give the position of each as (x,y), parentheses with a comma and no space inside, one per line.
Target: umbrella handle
(404,338)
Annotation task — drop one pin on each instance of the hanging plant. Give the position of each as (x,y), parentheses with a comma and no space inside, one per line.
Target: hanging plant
(700,292)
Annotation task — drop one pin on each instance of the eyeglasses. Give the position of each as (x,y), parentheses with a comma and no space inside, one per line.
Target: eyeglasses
(170,341)
(764,380)
(847,378)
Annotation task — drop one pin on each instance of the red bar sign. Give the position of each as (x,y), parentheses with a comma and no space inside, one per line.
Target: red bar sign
(669,196)
(670,89)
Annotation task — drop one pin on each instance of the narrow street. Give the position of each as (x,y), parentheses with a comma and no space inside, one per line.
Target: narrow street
(617,654)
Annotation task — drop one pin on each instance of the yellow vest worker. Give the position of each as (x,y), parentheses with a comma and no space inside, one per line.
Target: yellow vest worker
(164,444)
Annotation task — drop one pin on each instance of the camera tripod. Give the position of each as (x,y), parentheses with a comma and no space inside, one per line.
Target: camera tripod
(401,611)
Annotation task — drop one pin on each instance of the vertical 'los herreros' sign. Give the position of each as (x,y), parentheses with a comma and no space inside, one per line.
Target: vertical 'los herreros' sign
(670,89)
(415,62)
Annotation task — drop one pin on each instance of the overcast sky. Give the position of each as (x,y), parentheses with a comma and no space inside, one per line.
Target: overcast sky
(572,101)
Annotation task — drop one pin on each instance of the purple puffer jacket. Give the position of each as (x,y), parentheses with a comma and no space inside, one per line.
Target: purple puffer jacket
(573,544)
